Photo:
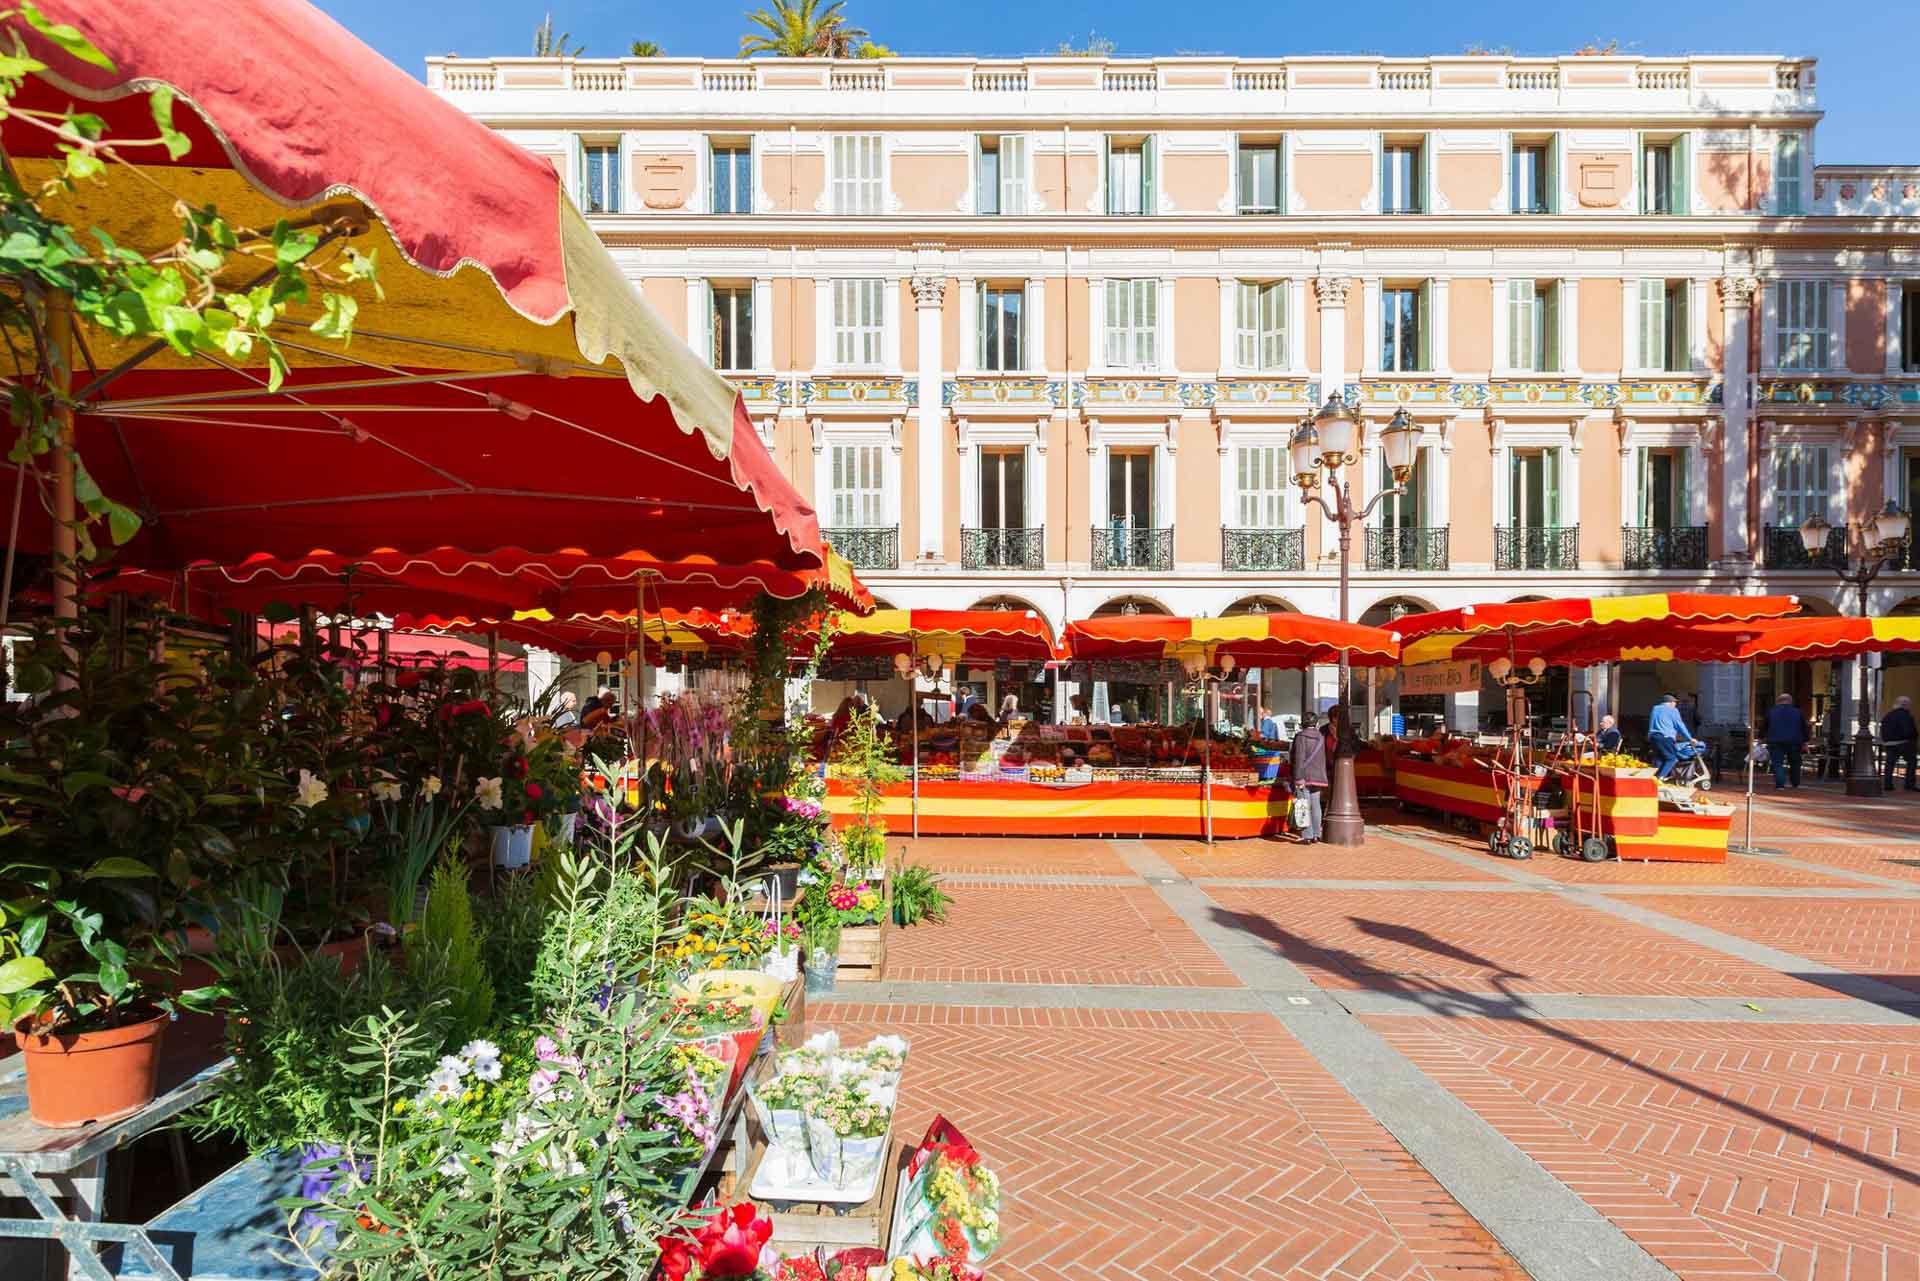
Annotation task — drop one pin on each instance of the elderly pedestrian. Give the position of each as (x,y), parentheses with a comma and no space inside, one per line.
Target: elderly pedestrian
(1898,740)
(1785,735)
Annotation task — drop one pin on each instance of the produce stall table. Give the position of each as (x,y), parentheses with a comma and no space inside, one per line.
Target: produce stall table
(1006,807)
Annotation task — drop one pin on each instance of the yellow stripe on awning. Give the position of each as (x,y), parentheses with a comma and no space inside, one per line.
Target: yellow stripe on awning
(1240,627)
(1897,629)
(881,622)
(1430,649)
(1630,609)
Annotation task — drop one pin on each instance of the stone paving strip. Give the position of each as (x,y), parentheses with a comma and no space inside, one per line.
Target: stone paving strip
(1540,1221)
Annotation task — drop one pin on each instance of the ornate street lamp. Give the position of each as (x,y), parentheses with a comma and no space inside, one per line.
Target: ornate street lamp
(1889,532)
(1333,440)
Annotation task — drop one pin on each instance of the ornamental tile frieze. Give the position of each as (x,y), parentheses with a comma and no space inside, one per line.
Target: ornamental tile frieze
(1833,391)
(1014,392)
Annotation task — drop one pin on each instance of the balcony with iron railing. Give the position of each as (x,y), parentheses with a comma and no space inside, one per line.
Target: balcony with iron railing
(1273,550)
(1419,548)
(1125,547)
(1781,548)
(1651,547)
(1536,547)
(1003,548)
(866,548)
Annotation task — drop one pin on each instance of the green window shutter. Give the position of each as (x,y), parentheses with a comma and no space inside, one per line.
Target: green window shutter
(1550,330)
(1652,323)
(1520,324)
(1149,179)
(1513,177)
(982,341)
(1553,174)
(1381,177)
(1682,199)
(579,172)
(1550,464)
(1423,159)
(1425,325)
(1280,174)
(1643,507)
(1106,169)
(1683,491)
(713,331)
(1682,327)
(986,192)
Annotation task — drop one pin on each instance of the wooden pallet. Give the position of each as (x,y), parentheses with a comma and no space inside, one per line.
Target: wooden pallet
(804,1225)
(863,954)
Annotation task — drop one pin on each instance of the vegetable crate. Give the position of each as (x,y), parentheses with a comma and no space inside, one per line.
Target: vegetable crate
(863,953)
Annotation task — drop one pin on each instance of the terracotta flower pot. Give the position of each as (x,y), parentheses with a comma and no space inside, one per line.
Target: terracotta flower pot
(75,1079)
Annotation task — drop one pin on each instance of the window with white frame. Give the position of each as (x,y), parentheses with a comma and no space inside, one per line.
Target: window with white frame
(1533,326)
(1530,176)
(1257,174)
(1002,323)
(599,177)
(857,486)
(730,326)
(1664,488)
(1788,151)
(1801,333)
(1403,340)
(1130,177)
(1663,175)
(858,185)
(731,188)
(1910,329)
(1261,480)
(1260,325)
(1665,337)
(1133,325)
(1802,482)
(859,322)
(1402,177)
(1000,174)
(1533,493)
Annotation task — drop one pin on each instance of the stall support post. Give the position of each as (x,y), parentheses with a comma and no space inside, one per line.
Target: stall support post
(1206,762)
(1753,737)
(913,732)
(1343,824)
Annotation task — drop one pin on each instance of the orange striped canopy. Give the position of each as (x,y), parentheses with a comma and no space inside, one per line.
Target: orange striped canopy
(1760,641)
(955,635)
(1253,640)
(584,637)
(1524,629)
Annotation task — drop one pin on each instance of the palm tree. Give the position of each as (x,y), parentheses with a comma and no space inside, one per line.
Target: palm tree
(646,49)
(801,29)
(547,45)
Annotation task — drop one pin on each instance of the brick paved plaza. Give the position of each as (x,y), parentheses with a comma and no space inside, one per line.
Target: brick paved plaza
(1413,1060)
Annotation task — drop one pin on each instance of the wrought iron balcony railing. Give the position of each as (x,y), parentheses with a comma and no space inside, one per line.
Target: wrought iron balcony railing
(1784,550)
(1415,547)
(1536,547)
(877,548)
(1003,548)
(1647,547)
(1123,547)
(1283,550)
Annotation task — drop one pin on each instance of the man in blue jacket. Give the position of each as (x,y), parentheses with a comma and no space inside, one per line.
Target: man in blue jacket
(1785,735)
(1898,739)
(1666,732)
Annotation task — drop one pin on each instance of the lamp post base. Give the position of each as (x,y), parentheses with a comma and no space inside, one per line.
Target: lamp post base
(1342,824)
(1862,780)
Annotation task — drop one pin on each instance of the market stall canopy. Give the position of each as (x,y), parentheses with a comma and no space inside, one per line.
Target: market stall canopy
(1762,641)
(1253,640)
(1524,629)
(510,388)
(955,635)
(584,638)
(449,582)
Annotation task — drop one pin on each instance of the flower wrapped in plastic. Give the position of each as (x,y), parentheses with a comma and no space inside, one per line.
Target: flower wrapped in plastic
(780,1104)
(847,1129)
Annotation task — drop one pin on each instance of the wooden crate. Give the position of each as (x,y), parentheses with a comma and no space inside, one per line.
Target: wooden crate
(803,1225)
(863,954)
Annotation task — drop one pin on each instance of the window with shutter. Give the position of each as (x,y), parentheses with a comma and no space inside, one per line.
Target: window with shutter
(731,164)
(859,322)
(1013,174)
(1657,178)
(1260,337)
(1126,177)
(600,178)
(1260,500)
(1400,338)
(1002,338)
(1402,185)
(731,327)
(1521,325)
(1802,482)
(1529,178)
(1258,177)
(1653,324)
(1786,172)
(1910,329)
(986,176)
(1802,335)
(1132,323)
(1548,302)
(857,187)
(859,492)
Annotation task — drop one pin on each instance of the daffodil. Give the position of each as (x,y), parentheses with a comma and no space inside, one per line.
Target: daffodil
(310,792)
(486,794)
(431,787)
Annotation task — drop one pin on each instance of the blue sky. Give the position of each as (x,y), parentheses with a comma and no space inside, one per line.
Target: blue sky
(1866,52)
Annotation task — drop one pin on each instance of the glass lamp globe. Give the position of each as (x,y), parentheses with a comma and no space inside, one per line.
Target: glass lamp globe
(1536,665)
(1398,442)
(1305,449)
(1339,434)
(1813,534)
(1499,667)
(1891,525)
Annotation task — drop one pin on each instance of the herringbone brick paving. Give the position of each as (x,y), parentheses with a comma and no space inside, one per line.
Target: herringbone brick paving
(1138,1150)
(1724,1151)
(1094,934)
(1223,1148)
(1516,943)
(1861,936)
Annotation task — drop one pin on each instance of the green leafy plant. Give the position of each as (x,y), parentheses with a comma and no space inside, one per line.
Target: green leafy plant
(447,947)
(917,895)
(821,935)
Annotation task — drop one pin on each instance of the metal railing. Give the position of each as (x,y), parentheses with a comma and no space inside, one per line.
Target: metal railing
(1783,549)
(1003,548)
(1415,547)
(1648,547)
(1536,547)
(1272,549)
(877,548)
(1124,547)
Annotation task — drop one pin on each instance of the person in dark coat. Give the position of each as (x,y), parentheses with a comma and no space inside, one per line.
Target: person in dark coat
(1309,764)
(1898,739)
(1785,734)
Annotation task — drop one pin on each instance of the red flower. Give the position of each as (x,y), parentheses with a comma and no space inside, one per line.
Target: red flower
(799,1269)
(534,791)
(730,1243)
(860,1256)
(675,1259)
(953,1241)
(516,767)
(526,818)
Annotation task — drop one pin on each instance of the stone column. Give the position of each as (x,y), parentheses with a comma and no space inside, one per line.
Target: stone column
(1736,300)
(1332,294)
(929,292)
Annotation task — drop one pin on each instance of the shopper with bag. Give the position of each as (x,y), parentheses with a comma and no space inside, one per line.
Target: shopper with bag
(1785,735)
(1309,780)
